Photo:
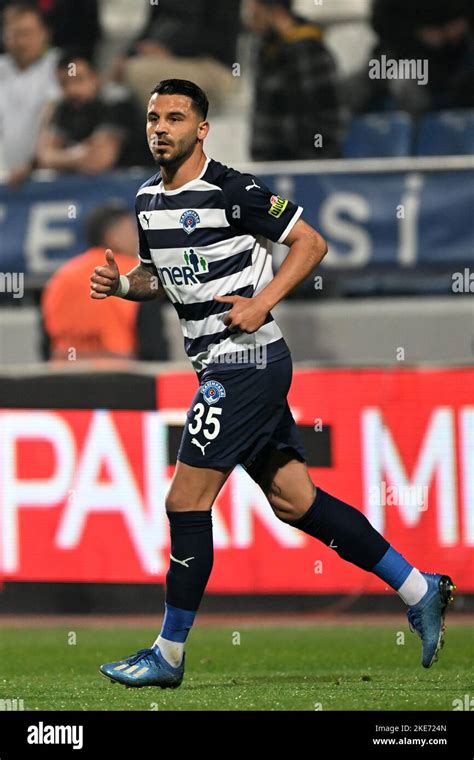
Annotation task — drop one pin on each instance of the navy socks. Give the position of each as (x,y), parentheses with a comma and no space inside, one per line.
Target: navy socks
(328,519)
(191,560)
(351,535)
(345,529)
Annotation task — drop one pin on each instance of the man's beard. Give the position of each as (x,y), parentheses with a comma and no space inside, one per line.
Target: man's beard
(176,159)
(166,160)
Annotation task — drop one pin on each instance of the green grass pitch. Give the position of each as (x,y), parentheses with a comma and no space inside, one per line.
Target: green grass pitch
(331,667)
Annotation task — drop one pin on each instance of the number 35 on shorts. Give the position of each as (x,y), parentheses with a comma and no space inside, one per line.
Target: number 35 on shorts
(210,423)
(211,391)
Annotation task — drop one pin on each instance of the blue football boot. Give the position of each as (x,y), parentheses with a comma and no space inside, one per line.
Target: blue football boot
(426,618)
(147,667)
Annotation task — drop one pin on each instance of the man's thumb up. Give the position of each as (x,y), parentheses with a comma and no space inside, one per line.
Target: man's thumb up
(110,258)
(105,279)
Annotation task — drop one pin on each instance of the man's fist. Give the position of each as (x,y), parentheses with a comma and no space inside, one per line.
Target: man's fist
(105,280)
(246,314)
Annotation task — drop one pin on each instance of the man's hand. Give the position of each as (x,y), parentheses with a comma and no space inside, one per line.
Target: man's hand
(246,315)
(19,176)
(105,280)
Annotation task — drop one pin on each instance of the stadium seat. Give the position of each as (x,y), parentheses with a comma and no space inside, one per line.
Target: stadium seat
(446,133)
(380,135)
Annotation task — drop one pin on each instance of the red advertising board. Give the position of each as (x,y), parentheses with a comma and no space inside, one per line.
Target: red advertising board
(82,492)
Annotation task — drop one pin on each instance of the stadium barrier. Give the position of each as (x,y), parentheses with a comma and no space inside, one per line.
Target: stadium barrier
(87,459)
(395,213)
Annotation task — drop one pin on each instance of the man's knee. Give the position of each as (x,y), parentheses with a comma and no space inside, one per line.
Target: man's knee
(179,500)
(290,511)
(175,503)
(289,514)
(194,488)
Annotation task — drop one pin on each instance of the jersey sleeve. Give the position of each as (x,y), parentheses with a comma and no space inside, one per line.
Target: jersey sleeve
(253,208)
(144,254)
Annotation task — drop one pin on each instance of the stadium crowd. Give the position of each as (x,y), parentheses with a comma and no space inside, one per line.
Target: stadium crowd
(63,107)
(71,104)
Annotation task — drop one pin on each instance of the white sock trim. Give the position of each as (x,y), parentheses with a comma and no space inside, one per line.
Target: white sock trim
(172,651)
(413,588)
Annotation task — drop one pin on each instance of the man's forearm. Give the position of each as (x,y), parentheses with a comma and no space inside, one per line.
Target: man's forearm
(61,159)
(143,284)
(304,255)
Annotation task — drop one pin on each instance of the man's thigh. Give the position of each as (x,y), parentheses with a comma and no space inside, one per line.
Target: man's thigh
(195,488)
(286,482)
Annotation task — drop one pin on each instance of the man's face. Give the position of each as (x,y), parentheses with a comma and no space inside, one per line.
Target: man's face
(79,82)
(25,37)
(173,128)
(257,17)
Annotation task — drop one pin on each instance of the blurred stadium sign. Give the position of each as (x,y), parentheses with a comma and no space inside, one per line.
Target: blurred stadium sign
(82,491)
(395,213)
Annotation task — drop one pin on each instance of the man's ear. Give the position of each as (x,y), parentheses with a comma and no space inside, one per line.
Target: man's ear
(203,130)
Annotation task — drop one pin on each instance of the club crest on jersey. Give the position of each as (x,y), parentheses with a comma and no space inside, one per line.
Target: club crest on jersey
(189,220)
(212,391)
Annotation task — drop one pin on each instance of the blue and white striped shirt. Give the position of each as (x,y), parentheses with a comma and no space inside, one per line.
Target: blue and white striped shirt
(209,237)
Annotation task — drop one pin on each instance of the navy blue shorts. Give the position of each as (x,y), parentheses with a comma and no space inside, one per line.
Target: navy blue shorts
(239,415)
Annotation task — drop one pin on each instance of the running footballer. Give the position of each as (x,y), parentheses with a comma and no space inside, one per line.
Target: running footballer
(203,231)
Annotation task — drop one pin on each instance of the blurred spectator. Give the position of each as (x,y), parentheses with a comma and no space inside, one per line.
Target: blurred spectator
(440,33)
(184,39)
(192,28)
(88,131)
(72,22)
(115,327)
(27,85)
(296,110)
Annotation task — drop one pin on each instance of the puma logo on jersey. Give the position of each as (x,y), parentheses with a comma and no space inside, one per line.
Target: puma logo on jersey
(147,218)
(201,446)
(249,187)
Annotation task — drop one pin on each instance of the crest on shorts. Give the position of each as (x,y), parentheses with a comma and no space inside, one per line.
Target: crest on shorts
(212,391)
(189,220)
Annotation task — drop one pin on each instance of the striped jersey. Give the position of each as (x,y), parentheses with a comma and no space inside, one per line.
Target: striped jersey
(210,237)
